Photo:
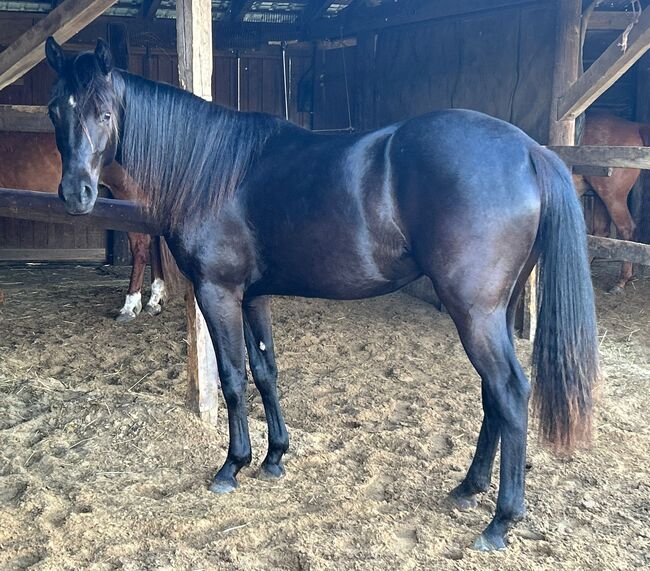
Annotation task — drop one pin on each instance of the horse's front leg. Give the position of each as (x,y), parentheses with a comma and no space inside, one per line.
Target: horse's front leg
(139,245)
(222,309)
(261,355)
(158,289)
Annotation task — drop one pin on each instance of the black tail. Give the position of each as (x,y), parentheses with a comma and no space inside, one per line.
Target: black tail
(565,355)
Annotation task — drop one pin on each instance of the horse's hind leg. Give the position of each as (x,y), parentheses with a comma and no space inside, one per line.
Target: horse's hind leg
(261,355)
(626,230)
(505,392)
(158,290)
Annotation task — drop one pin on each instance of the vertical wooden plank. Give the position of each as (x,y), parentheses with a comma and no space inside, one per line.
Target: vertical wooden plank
(567,58)
(194,40)
(118,251)
(643,116)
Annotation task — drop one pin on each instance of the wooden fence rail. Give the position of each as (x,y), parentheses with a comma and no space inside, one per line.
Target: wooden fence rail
(107,213)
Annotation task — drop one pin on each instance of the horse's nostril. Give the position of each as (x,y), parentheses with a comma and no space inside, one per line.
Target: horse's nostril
(86,193)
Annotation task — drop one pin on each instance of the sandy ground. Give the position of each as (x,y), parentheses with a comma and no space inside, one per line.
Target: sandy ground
(103,467)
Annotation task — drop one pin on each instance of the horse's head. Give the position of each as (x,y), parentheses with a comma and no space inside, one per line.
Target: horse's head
(84,108)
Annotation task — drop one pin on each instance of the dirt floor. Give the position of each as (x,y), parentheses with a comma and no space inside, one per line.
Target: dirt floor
(103,467)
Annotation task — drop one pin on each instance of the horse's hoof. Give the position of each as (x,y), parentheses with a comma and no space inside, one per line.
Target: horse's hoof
(270,472)
(616,289)
(461,501)
(125,316)
(152,309)
(484,543)
(223,486)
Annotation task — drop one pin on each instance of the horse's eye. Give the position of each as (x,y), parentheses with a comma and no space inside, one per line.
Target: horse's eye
(106,117)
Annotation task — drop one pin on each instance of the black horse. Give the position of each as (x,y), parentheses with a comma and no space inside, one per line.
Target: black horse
(254,206)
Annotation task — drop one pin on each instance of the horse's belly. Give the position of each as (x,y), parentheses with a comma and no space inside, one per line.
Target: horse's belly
(337,269)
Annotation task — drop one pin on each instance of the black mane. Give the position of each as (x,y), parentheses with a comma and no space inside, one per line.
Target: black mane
(186,154)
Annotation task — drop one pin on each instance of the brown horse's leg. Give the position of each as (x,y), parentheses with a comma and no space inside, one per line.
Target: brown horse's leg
(139,244)
(626,230)
(158,290)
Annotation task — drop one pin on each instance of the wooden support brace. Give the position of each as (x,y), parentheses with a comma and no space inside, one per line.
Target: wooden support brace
(63,22)
(611,65)
(194,40)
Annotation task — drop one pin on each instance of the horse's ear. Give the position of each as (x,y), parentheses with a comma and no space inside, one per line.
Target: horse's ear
(104,57)
(54,55)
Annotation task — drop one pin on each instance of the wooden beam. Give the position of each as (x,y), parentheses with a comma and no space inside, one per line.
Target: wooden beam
(25,119)
(239,9)
(590,170)
(46,207)
(354,22)
(622,157)
(52,254)
(194,40)
(622,250)
(63,22)
(611,65)
(609,20)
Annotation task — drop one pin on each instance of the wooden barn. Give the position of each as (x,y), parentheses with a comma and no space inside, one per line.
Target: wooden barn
(104,462)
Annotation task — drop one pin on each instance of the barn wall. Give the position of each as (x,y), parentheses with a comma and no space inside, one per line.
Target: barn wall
(499,62)
(261,90)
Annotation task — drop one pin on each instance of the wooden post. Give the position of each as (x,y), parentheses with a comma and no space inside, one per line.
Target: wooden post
(643,116)
(194,40)
(118,40)
(567,58)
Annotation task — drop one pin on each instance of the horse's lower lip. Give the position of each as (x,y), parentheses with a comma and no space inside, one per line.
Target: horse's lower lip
(79,212)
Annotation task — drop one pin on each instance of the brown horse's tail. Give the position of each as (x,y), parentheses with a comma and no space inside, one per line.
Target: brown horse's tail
(565,355)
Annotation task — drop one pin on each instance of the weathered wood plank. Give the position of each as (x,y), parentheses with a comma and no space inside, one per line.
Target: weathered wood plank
(63,22)
(25,118)
(590,170)
(194,40)
(623,157)
(601,20)
(107,213)
(611,65)
(622,250)
(52,254)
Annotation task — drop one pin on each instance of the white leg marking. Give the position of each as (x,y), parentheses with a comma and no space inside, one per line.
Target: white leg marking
(158,297)
(132,306)
(262,346)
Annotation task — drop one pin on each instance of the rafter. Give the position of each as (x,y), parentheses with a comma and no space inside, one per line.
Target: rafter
(611,65)
(63,22)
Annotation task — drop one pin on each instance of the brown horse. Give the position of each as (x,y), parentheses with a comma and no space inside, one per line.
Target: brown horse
(31,161)
(612,192)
